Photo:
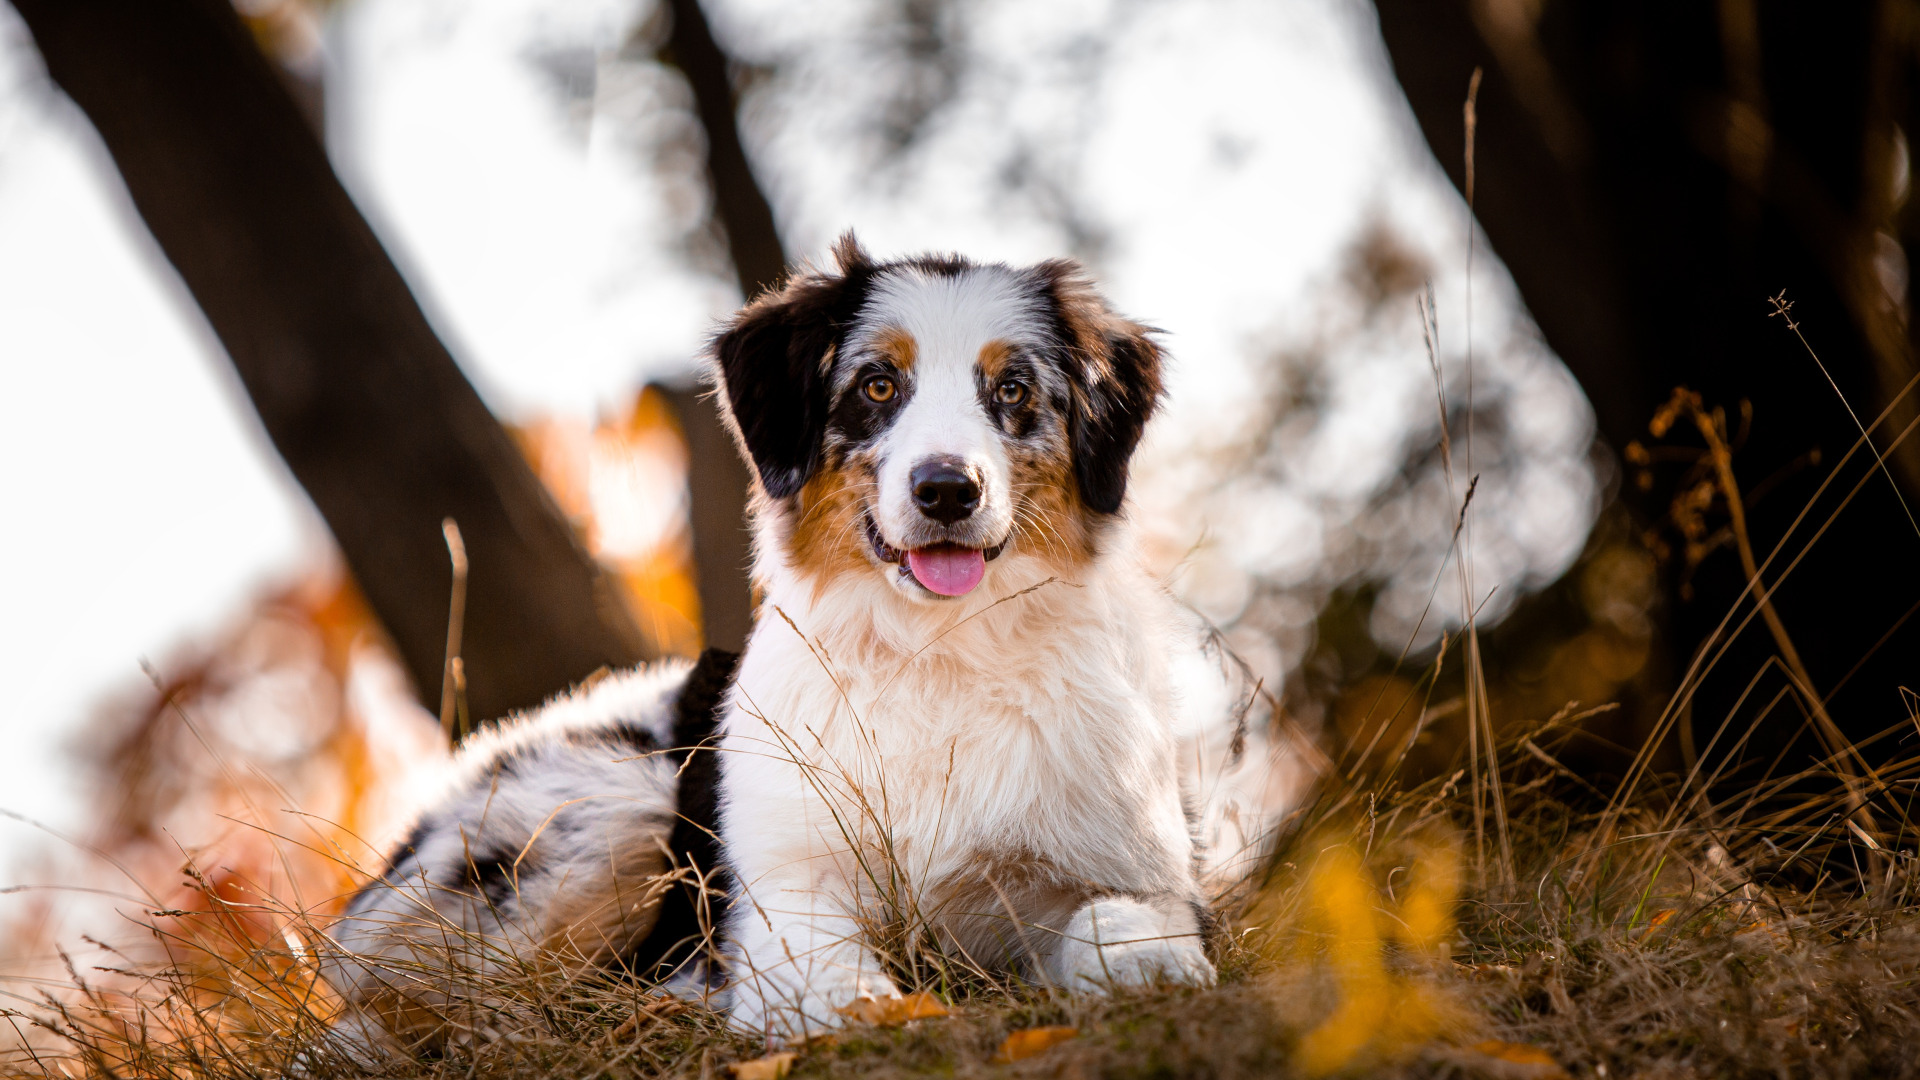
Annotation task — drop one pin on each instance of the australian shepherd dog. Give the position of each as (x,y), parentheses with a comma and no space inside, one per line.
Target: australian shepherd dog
(965,706)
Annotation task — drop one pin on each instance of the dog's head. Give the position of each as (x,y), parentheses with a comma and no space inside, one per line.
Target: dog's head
(920,419)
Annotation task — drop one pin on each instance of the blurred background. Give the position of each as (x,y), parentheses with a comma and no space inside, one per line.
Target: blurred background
(241,395)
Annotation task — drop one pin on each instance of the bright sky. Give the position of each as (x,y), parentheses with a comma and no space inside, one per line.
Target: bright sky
(140,502)
(1214,158)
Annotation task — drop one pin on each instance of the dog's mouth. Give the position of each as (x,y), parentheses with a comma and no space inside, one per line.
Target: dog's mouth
(941,569)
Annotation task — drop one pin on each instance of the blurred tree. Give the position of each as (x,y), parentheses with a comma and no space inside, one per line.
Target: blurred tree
(359,396)
(717,479)
(1651,173)
(739,202)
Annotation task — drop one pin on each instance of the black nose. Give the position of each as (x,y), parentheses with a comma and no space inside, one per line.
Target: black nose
(944,490)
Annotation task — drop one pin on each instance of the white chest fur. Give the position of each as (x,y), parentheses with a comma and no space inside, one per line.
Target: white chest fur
(1036,728)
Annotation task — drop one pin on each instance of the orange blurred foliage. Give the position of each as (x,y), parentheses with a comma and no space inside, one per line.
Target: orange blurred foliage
(264,774)
(623,484)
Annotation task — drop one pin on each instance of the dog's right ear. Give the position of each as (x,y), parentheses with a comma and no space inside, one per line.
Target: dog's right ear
(774,360)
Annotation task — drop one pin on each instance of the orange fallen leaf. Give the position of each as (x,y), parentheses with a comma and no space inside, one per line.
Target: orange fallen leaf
(1761,927)
(1481,971)
(894,1010)
(822,1041)
(771,1067)
(1030,1041)
(1534,1063)
(653,1010)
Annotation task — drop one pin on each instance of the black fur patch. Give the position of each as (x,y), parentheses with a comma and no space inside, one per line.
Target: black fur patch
(406,851)
(950,265)
(1114,366)
(856,419)
(629,737)
(677,936)
(490,872)
(770,362)
(1113,416)
(1017,421)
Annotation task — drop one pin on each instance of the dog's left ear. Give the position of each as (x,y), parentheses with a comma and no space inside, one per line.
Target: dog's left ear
(773,360)
(1114,364)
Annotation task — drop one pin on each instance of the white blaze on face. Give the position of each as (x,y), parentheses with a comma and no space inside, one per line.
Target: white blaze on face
(950,319)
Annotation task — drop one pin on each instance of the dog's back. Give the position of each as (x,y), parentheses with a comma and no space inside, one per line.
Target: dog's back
(577,836)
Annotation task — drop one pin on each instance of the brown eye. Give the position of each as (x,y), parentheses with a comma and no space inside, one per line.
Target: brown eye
(879,389)
(1010,393)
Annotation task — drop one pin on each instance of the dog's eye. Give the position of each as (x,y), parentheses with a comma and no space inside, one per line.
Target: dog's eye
(1012,392)
(879,389)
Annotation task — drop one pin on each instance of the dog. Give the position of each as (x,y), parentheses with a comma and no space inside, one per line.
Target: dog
(967,719)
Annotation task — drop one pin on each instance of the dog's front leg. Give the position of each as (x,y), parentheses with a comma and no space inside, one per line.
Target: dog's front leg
(1120,941)
(798,960)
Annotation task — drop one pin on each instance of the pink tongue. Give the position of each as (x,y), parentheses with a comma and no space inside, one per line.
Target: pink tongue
(949,571)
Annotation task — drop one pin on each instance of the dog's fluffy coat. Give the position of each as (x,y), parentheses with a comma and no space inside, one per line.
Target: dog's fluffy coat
(1017,769)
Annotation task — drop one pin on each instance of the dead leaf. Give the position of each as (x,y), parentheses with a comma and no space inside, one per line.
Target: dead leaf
(894,1010)
(1514,1061)
(1518,1053)
(771,1067)
(1659,920)
(823,1041)
(653,1010)
(1030,1041)
(1759,933)
(1482,971)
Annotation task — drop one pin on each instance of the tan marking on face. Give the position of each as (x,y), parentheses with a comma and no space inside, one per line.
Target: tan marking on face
(1049,520)
(993,360)
(897,346)
(827,536)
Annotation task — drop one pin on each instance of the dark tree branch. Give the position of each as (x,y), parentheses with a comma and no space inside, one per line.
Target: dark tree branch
(357,393)
(718,482)
(741,205)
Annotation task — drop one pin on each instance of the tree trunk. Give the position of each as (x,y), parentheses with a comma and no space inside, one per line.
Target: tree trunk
(717,484)
(358,395)
(1652,172)
(717,479)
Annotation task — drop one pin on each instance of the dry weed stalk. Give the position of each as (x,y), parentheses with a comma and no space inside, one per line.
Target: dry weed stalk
(1712,427)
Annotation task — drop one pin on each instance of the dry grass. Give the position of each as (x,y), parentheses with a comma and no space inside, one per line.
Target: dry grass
(1765,933)
(1512,918)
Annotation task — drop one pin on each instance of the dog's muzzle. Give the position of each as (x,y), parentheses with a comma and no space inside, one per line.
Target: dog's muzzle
(941,569)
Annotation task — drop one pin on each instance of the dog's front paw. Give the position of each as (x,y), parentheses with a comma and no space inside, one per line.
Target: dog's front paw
(1120,942)
(1139,963)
